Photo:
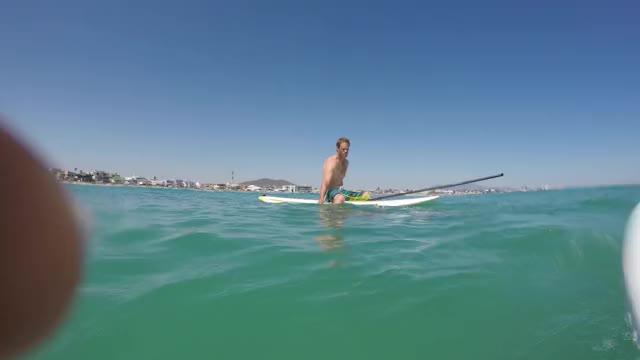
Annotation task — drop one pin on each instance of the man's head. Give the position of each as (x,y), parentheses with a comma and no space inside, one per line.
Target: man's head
(342,147)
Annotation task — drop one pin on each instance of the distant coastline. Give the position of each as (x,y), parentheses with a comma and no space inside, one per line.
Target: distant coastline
(64,182)
(264,185)
(244,190)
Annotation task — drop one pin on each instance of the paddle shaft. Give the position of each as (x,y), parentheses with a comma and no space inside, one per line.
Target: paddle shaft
(437,187)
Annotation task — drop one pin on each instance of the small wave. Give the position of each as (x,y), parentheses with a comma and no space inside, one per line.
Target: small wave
(604,203)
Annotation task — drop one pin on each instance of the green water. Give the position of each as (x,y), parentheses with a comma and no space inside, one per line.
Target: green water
(175,274)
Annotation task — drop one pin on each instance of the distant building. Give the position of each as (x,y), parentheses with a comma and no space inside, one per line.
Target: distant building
(444,191)
(69,176)
(101,176)
(189,184)
(116,179)
(143,181)
(303,188)
(208,186)
(84,177)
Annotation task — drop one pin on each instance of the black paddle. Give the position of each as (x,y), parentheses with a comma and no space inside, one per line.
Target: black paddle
(437,187)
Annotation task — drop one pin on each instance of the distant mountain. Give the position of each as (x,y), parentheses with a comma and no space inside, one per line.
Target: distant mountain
(265,182)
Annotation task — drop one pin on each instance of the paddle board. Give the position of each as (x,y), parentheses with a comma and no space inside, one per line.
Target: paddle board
(631,267)
(397,202)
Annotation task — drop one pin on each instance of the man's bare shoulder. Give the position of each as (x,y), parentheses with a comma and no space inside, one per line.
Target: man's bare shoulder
(330,161)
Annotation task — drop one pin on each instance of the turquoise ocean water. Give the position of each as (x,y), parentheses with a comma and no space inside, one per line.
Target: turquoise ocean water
(178,274)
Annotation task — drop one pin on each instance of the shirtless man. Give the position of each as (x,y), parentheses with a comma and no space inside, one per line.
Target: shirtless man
(333,172)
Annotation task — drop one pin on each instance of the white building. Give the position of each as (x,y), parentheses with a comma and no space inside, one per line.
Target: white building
(143,181)
(304,189)
(288,188)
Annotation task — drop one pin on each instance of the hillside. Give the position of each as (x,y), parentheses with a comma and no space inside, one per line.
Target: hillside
(265,182)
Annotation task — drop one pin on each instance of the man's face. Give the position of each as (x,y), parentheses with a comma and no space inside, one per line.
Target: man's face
(343,150)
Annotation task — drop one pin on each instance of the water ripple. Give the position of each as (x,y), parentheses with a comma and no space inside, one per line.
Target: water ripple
(524,275)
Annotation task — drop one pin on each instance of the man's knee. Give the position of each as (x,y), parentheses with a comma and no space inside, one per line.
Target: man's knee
(339,199)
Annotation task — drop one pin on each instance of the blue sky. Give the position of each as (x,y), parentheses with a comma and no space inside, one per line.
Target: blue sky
(547,92)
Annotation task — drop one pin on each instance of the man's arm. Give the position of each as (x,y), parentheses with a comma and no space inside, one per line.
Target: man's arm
(327,171)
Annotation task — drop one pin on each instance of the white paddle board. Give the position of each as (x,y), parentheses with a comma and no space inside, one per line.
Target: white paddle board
(397,202)
(631,267)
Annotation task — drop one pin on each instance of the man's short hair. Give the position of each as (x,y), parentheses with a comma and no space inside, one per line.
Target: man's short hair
(342,140)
